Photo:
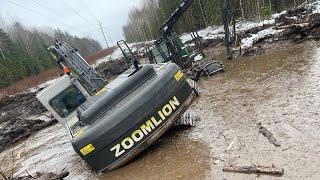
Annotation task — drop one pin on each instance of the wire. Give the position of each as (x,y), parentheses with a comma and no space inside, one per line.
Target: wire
(85,34)
(78,13)
(89,10)
(40,14)
(46,7)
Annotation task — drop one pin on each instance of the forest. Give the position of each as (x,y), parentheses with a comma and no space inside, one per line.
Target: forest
(145,21)
(23,51)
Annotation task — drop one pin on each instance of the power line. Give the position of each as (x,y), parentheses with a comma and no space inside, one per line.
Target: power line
(46,7)
(35,12)
(89,10)
(73,10)
(48,17)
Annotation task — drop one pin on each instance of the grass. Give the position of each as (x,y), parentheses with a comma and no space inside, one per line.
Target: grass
(47,75)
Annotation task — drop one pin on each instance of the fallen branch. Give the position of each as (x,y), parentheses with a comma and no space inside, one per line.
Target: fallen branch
(302,25)
(226,150)
(254,169)
(266,133)
(3,175)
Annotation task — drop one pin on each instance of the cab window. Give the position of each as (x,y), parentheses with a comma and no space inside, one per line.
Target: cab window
(67,101)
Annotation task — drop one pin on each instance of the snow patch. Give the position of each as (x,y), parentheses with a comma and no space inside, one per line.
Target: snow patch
(138,48)
(249,41)
(198,57)
(276,15)
(3,114)
(40,117)
(207,33)
(41,86)
(315,7)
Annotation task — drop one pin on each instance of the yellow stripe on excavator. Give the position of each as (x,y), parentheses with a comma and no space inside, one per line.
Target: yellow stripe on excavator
(101,91)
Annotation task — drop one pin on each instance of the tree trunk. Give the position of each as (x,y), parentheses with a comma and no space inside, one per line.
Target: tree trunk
(203,12)
(2,54)
(226,20)
(242,12)
(270,5)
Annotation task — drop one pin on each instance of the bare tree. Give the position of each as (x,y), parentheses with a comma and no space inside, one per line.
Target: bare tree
(241,7)
(201,4)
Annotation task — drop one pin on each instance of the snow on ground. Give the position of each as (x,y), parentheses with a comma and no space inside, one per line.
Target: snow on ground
(3,114)
(45,118)
(117,54)
(211,32)
(41,86)
(315,7)
(246,25)
(249,41)
(276,15)
(207,33)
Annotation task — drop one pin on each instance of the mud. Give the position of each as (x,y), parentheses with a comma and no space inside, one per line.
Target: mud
(279,89)
(110,69)
(40,176)
(20,116)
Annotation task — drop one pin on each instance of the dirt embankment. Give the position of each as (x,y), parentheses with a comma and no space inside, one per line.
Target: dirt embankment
(20,116)
(298,24)
(110,69)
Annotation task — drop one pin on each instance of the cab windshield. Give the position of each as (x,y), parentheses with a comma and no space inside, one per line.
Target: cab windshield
(67,101)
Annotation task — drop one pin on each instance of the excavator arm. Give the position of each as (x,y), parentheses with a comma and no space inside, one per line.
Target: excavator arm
(167,31)
(71,62)
(176,15)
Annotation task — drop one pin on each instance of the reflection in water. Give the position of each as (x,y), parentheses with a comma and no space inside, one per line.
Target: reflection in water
(172,157)
(279,89)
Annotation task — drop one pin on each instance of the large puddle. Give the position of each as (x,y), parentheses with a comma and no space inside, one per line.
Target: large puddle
(280,89)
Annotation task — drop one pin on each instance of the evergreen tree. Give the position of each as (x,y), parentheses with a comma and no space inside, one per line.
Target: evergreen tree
(24,52)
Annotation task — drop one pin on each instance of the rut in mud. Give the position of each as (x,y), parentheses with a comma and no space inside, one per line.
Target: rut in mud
(279,89)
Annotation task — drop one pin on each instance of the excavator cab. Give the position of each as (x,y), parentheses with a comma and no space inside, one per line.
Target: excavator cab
(160,50)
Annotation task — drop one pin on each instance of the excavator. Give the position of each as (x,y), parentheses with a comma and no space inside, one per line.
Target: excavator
(110,123)
(169,48)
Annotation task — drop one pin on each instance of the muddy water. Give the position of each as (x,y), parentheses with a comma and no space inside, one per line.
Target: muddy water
(280,89)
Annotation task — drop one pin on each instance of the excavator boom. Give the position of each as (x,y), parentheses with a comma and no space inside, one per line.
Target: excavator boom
(70,61)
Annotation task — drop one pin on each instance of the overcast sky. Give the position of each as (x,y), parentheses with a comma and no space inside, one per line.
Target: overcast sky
(78,17)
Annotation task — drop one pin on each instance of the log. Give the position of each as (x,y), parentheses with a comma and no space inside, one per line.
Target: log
(302,25)
(266,133)
(255,169)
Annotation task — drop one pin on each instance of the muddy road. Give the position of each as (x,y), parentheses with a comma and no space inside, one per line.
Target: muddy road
(279,89)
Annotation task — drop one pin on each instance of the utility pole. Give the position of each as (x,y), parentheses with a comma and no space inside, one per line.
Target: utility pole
(103,34)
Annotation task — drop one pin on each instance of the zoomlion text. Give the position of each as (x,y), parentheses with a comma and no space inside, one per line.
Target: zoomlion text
(146,128)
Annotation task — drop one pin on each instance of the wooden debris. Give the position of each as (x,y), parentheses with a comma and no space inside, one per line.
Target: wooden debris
(302,25)
(266,133)
(255,169)
(39,175)
(189,118)
(226,151)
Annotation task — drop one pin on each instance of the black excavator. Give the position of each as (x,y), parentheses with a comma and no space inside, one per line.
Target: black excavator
(110,123)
